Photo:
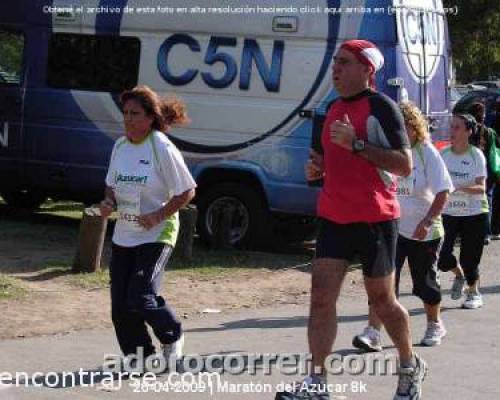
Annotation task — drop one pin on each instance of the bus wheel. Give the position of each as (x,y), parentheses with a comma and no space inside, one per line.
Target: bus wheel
(30,200)
(248,213)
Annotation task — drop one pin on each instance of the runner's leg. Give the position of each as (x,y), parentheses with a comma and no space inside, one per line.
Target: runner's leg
(129,326)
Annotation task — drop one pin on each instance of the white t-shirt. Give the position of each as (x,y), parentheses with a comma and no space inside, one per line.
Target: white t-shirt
(144,177)
(464,169)
(417,191)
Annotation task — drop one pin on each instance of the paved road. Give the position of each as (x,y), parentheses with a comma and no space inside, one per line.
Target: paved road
(465,366)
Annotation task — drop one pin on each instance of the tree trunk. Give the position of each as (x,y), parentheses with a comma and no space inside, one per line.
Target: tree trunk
(90,242)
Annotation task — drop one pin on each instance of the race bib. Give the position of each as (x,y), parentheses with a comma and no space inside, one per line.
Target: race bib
(459,202)
(128,201)
(405,186)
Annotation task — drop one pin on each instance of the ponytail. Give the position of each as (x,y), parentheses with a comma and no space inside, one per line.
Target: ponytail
(166,112)
(174,112)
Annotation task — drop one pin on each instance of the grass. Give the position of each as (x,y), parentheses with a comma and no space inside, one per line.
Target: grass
(66,209)
(205,265)
(216,263)
(51,236)
(88,281)
(10,288)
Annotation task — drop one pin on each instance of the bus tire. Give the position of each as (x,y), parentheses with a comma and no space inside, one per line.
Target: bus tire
(248,216)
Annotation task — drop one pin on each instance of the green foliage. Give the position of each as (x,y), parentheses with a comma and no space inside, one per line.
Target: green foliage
(10,288)
(11,53)
(475,38)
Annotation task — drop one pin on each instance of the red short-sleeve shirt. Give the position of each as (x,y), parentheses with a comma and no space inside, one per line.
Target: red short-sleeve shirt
(354,189)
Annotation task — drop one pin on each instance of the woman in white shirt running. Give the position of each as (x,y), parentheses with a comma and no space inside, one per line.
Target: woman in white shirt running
(147,182)
(466,215)
(422,196)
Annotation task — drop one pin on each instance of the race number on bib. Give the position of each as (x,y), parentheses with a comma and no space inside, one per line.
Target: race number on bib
(459,202)
(129,208)
(405,186)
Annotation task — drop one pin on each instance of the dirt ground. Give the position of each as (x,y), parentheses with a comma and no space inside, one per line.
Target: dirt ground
(55,306)
(37,250)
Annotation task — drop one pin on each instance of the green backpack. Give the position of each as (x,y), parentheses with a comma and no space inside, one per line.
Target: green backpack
(494,157)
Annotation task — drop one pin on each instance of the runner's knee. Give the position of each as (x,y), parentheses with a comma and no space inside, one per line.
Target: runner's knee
(381,299)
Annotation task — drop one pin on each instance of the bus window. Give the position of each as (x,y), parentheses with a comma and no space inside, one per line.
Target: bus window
(11,57)
(97,63)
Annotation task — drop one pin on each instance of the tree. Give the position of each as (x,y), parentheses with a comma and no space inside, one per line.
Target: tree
(11,52)
(475,38)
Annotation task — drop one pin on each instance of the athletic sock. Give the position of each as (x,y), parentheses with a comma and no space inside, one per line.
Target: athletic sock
(412,363)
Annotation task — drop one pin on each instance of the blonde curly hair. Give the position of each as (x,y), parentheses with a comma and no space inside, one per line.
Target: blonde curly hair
(416,120)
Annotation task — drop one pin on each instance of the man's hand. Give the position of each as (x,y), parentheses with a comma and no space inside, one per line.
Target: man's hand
(314,168)
(106,207)
(148,221)
(342,133)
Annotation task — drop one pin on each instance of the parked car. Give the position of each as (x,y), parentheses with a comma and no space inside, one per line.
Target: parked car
(487,96)
(455,96)
(464,89)
(488,84)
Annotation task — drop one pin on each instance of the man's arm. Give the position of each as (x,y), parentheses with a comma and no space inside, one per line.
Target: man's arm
(392,148)
(315,166)
(397,162)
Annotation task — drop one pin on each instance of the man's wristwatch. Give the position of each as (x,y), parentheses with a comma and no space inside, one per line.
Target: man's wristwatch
(358,145)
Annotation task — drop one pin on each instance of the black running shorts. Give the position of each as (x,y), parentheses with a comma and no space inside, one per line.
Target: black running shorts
(374,244)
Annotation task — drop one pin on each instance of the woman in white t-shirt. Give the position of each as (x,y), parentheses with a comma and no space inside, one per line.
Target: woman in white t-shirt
(466,214)
(422,196)
(147,183)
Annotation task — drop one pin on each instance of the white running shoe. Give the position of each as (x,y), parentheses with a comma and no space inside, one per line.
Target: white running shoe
(410,381)
(434,334)
(473,300)
(369,340)
(173,349)
(457,289)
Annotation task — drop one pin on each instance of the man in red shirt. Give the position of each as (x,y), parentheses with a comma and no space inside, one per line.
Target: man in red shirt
(364,145)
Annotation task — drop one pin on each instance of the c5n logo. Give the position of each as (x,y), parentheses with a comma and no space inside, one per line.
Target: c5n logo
(4,134)
(140,180)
